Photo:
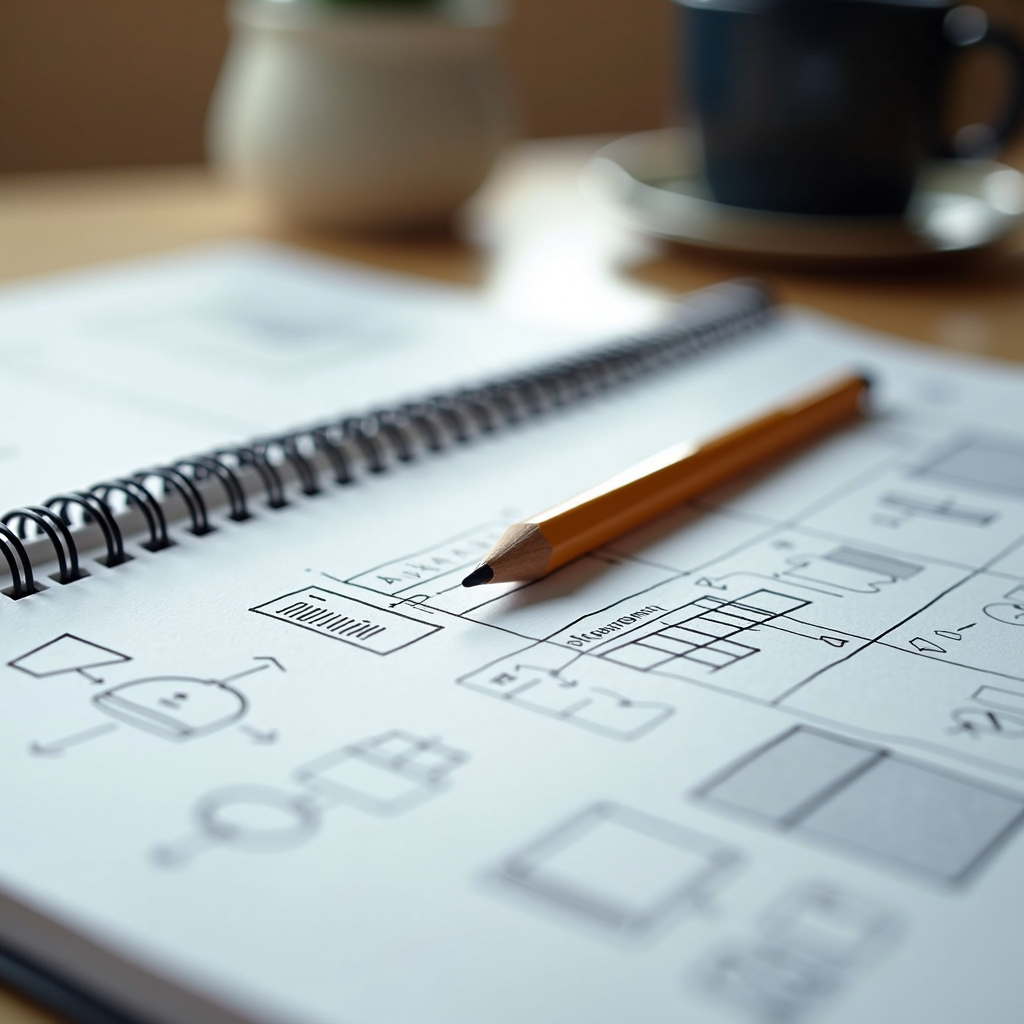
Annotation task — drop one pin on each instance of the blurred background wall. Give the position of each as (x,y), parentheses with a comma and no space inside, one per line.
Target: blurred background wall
(99,83)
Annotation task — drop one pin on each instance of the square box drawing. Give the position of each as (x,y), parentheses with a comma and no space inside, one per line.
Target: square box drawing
(986,464)
(620,868)
(867,801)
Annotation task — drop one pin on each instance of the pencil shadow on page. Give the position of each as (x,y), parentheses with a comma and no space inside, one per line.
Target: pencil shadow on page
(629,564)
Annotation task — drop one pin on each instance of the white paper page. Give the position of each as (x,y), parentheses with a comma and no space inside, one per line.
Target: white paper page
(759,761)
(110,370)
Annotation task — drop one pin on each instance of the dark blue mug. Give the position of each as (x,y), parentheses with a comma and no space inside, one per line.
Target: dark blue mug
(832,107)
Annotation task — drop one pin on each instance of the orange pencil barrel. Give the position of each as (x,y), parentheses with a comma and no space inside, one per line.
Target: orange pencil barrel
(544,542)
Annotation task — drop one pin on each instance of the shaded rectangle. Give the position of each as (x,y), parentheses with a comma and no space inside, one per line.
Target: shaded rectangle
(870,802)
(344,618)
(987,464)
(922,819)
(779,780)
(872,562)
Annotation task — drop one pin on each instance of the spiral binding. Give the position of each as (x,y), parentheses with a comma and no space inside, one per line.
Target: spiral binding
(336,450)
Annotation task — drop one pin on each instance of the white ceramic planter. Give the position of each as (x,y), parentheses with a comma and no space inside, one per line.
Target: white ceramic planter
(360,117)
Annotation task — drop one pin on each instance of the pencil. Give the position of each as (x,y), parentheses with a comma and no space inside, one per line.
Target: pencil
(542,543)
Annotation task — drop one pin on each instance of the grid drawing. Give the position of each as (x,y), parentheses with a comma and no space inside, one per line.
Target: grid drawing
(706,632)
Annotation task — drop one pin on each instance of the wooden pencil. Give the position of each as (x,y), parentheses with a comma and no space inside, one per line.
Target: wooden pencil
(539,545)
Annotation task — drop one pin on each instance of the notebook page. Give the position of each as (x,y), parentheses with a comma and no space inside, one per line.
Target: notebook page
(114,369)
(758,761)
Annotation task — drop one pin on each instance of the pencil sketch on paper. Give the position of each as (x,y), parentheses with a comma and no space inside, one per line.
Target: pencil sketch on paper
(176,708)
(341,618)
(804,950)
(384,775)
(67,654)
(863,590)
(616,868)
(868,802)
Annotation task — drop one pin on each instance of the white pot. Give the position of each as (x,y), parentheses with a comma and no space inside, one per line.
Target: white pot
(360,117)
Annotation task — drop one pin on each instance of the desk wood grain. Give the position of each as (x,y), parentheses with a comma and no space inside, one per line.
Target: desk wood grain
(529,243)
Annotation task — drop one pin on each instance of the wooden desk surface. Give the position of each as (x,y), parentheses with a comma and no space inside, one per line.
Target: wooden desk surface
(530,243)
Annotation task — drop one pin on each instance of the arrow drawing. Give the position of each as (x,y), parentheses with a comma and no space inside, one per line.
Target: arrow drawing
(267,661)
(57,747)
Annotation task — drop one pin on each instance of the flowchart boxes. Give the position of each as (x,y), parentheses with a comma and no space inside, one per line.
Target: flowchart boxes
(627,871)
(865,799)
(386,774)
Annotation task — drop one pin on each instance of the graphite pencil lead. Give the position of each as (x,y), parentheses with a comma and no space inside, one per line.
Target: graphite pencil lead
(481,574)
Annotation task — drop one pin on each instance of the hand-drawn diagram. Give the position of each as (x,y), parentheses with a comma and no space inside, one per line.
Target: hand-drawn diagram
(177,708)
(627,872)
(558,691)
(383,775)
(174,707)
(849,568)
(806,948)
(342,618)
(981,463)
(864,800)
(1010,610)
(65,654)
(764,621)
(898,508)
(707,632)
(386,774)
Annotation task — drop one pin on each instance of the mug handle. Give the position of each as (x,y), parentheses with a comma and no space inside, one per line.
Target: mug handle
(965,27)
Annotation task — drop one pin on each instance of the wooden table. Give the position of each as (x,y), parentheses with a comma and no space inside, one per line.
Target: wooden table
(529,242)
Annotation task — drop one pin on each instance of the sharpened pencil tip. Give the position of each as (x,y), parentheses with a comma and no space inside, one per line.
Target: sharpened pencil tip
(481,574)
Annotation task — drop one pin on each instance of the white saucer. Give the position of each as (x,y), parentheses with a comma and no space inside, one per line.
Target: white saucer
(650,182)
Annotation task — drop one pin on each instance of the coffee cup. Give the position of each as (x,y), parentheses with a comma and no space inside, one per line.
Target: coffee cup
(832,107)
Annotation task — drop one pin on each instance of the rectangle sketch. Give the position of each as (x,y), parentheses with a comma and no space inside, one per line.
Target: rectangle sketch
(620,869)
(344,618)
(986,464)
(870,802)
(711,631)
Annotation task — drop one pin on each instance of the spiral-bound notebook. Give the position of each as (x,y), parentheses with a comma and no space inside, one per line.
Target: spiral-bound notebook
(265,760)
